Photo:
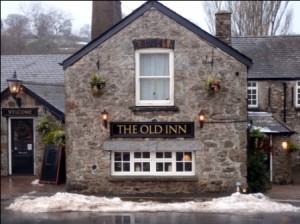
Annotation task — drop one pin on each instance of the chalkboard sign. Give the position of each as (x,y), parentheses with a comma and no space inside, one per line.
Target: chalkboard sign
(54,166)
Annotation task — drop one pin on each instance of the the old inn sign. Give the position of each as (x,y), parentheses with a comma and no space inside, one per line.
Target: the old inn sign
(152,129)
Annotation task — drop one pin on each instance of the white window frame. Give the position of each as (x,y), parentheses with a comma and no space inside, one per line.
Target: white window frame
(140,102)
(251,88)
(153,164)
(297,94)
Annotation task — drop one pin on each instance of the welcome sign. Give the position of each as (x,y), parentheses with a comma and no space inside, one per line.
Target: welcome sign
(152,129)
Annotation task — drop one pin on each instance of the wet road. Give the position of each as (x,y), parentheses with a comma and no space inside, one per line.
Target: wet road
(11,217)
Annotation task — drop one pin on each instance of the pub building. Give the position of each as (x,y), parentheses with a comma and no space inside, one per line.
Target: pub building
(154,104)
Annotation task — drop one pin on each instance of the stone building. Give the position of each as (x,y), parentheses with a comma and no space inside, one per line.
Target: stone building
(157,66)
(274,97)
(41,96)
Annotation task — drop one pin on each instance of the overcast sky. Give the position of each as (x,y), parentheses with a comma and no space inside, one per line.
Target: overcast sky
(81,11)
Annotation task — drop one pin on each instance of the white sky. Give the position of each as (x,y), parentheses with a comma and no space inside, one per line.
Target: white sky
(236,203)
(81,11)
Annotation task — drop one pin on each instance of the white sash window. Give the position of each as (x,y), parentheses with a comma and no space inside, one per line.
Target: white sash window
(154,77)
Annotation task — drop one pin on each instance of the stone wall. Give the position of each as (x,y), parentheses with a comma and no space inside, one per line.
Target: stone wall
(27,102)
(289,116)
(221,155)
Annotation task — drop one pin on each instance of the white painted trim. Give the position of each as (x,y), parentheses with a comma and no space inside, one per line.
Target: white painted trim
(297,88)
(251,88)
(139,102)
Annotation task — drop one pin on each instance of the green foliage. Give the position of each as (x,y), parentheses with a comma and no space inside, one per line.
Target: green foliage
(52,132)
(258,175)
(213,85)
(293,147)
(97,81)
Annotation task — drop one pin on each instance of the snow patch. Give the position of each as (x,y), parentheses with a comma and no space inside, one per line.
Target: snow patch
(62,202)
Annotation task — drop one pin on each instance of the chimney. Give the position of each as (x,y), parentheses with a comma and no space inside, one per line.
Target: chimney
(223,26)
(105,14)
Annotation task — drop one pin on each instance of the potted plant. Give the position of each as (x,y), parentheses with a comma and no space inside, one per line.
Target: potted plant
(213,85)
(52,133)
(97,83)
(293,147)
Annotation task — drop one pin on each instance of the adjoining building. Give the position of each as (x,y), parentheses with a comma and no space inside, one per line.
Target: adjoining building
(41,96)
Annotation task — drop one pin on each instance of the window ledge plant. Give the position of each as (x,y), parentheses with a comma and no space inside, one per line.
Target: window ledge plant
(213,85)
(97,83)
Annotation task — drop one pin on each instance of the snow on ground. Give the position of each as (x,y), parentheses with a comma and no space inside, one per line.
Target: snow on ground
(236,203)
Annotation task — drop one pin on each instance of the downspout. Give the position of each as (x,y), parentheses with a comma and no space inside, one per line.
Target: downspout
(271,159)
(284,102)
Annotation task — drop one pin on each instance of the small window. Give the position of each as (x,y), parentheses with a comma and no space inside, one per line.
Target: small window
(252,94)
(153,163)
(297,98)
(154,77)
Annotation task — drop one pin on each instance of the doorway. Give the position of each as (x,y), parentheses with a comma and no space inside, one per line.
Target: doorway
(22,147)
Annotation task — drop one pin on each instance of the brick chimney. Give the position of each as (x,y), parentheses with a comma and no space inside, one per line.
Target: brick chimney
(104,15)
(223,26)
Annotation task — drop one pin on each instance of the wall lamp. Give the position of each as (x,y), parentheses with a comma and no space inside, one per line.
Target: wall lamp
(104,118)
(14,85)
(201,118)
(284,145)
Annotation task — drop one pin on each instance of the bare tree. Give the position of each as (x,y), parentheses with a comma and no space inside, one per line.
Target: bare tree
(85,32)
(253,18)
(14,32)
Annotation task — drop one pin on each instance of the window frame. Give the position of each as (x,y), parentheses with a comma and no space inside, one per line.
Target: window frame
(153,161)
(297,94)
(140,102)
(256,97)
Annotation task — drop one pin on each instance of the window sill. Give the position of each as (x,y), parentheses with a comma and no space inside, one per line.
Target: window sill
(154,178)
(154,108)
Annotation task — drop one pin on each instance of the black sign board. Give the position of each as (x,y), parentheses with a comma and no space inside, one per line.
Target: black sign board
(152,129)
(53,167)
(19,112)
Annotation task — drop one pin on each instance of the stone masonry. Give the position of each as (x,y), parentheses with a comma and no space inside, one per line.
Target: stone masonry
(221,154)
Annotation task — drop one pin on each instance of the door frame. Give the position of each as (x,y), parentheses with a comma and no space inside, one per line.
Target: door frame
(10,142)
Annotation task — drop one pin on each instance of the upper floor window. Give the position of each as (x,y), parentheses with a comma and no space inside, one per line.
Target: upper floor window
(252,94)
(297,99)
(154,77)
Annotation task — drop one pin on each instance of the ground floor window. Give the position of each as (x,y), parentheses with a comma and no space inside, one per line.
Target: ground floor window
(153,163)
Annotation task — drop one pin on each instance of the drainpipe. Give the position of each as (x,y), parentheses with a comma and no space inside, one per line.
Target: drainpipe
(271,159)
(284,102)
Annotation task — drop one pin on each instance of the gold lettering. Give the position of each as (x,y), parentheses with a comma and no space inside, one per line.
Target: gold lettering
(172,129)
(158,129)
(146,131)
(134,129)
(183,129)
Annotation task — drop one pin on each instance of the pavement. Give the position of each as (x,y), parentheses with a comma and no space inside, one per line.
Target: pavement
(15,186)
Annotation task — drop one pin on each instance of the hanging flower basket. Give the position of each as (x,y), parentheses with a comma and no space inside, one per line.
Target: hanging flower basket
(97,83)
(213,85)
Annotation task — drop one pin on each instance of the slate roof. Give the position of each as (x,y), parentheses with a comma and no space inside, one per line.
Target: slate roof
(171,14)
(266,123)
(42,75)
(274,57)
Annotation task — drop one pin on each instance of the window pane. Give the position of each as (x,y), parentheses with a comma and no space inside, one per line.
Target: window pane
(168,155)
(179,156)
(126,156)
(146,167)
(179,167)
(118,167)
(118,156)
(168,167)
(155,89)
(137,167)
(137,155)
(126,167)
(159,155)
(146,154)
(159,167)
(188,166)
(154,65)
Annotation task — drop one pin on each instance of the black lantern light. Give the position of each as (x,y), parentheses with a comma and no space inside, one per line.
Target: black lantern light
(201,118)
(104,118)
(14,85)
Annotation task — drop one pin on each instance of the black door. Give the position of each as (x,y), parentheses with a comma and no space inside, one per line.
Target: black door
(22,146)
